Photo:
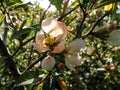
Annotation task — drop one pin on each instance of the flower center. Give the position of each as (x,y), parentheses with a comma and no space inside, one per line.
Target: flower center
(50,42)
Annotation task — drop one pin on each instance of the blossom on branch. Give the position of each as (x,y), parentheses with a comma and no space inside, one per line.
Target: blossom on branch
(72,57)
(52,36)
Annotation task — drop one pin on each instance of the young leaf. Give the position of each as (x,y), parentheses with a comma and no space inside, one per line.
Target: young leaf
(28,78)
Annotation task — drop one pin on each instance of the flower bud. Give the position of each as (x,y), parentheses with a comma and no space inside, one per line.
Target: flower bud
(61,66)
(48,63)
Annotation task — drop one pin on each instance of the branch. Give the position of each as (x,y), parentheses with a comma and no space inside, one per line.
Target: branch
(95,24)
(82,22)
(35,62)
(5,11)
(64,15)
(43,15)
(8,60)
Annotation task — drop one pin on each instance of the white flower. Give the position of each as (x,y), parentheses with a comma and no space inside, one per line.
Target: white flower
(52,36)
(114,38)
(72,57)
(48,63)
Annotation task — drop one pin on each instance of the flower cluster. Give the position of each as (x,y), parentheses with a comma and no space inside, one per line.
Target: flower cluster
(52,37)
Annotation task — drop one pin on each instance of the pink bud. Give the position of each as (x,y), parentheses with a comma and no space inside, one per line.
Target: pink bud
(48,63)
(61,66)
(112,27)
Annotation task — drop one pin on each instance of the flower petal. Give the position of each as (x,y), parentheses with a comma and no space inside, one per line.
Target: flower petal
(60,47)
(40,37)
(59,32)
(74,59)
(39,41)
(76,45)
(69,65)
(64,29)
(48,24)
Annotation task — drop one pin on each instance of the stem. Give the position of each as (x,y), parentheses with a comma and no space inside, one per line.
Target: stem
(93,27)
(35,62)
(84,16)
(65,6)
(78,32)
(8,16)
(43,15)
(24,43)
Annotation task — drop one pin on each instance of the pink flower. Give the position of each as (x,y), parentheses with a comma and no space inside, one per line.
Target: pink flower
(52,36)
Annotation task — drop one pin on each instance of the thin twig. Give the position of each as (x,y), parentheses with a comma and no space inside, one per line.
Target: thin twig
(64,15)
(43,15)
(83,19)
(93,27)
(24,43)
(8,16)
(35,62)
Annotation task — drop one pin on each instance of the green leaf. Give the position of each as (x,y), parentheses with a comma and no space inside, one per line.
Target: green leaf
(28,78)
(106,2)
(1,18)
(20,5)
(23,24)
(57,4)
(36,26)
(114,38)
(21,32)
